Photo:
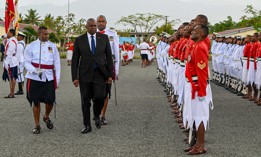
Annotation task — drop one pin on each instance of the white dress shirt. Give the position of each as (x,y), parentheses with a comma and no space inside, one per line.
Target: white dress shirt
(90,39)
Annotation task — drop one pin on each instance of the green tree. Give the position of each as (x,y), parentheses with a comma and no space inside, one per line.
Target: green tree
(53,38)
(141,22)
(224,25)
(30,33)
(169,27)
(252,17)
(32,17)
(48,21)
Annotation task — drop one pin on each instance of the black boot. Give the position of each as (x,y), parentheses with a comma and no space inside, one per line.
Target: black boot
(20,91)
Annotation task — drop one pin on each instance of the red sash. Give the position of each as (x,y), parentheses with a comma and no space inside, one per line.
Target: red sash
(44,66)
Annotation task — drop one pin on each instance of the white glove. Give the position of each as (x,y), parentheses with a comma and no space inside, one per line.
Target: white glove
(38,71)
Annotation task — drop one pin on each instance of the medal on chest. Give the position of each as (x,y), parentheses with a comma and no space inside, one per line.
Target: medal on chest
(50,49)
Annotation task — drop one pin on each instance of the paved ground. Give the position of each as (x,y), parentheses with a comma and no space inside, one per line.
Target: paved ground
(141,125)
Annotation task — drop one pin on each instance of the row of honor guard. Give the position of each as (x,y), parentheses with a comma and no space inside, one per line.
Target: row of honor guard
(236,64)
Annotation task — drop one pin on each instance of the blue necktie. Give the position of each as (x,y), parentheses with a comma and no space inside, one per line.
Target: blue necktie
(93,51)
(93,44)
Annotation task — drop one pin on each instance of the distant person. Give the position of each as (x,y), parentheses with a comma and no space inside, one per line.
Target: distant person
(69,47)
(20,57)
(144,50)
(3,43)
(11,62)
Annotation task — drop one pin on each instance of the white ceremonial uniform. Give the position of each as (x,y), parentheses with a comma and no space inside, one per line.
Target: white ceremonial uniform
(49,56)
(158,54)
(20,58)
(213,47)
(221,58)
(114,41)
(144,48)
(11,49)
(165,57)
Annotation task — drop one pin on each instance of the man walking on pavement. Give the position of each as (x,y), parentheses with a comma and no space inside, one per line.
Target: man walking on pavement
(114,42)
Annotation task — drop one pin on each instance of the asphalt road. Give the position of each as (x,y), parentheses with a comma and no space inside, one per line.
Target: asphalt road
(142,124)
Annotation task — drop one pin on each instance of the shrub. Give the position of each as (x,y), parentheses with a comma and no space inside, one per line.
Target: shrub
(63,55)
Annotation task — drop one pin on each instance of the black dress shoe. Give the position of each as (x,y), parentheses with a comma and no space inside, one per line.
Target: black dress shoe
(98,123)
(86,130)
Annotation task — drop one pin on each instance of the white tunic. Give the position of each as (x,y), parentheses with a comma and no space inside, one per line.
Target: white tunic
(144,48)
(49,56)
(114,41)
(11,49)
(20,51)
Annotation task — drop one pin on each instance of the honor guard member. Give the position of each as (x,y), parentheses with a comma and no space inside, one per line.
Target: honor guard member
(20,57)
(197,94)
(11,62)
(252,73)
(42,62)
(69,48)
(114,41)
(258,71)
(246,66)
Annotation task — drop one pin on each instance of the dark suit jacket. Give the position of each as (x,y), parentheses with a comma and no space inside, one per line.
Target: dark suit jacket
(83,59)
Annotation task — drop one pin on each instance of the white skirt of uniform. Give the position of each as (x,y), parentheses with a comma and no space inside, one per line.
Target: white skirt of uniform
(258,74)
(176,78)
(187,116)
(149,56)
(245,72)
(196,111)
(181,85)
(251,73)
(169,71)
(130,55)
(69,54)
(122,53)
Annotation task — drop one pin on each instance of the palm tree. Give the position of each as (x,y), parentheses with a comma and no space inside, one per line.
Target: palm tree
(48,21)
(32,17)
(30,33)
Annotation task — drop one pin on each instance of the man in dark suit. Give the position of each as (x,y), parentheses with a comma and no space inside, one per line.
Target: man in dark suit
(92,67)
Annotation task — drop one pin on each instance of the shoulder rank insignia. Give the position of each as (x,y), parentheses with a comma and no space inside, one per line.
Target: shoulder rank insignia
(201,65)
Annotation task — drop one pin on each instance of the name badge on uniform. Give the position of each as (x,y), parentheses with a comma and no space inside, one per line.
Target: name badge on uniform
(50,49)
